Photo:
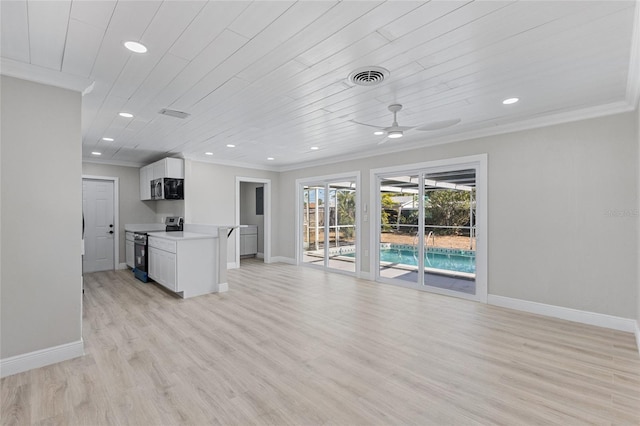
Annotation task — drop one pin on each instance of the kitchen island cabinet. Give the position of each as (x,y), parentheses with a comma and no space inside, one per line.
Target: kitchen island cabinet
(184,262)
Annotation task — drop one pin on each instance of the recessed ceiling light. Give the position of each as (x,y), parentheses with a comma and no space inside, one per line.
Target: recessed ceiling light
(230,145)
(125,114)
(135,47)
(378,133)
(270,158)
(208,153)
(108,139)
(314,148)
(510,101)
(96,153)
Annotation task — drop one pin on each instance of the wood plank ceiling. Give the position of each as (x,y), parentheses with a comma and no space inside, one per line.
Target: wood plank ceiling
(271,77)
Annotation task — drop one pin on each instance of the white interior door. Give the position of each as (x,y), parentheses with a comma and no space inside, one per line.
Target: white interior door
(99,225)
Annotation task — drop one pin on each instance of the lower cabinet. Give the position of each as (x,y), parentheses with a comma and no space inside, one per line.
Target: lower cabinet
(249,240)
(129,250)
(184,266)
(162,267)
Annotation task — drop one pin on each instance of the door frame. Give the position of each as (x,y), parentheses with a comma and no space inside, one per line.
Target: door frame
(328,179)
(267,217)
(479,162)
(116,218)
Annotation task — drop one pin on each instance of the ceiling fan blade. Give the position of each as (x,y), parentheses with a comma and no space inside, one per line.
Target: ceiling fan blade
(437,125)
(383,141)
(397,128)
(365,124)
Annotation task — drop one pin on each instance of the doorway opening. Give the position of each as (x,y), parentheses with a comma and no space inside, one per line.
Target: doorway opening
(253,211)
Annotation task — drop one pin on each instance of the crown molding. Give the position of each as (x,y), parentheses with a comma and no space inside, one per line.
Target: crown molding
(46,76)
(114,163)
(233,164)
(522,125)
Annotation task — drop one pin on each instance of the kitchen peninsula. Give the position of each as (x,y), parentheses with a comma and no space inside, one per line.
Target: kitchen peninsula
(192,262)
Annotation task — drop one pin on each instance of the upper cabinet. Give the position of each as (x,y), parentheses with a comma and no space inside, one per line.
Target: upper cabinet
(165,168)
(146,176)
(168,168)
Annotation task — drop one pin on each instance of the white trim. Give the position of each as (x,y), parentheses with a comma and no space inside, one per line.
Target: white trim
(116,214)
(232,265)
(633,75)
(523,125)
(40,358)
(120,163)
(282,259)
(223,287)
(230,163)
(123,265)
(569,314)
(260,255)
(44,75)
(365,276)
(637,333)
(267,216)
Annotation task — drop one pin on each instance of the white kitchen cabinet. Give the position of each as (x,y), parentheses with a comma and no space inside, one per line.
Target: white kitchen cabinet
(129,250)
(146,175)
(184,263)
(169,168)
(249,240)
(162,267)
(165,168)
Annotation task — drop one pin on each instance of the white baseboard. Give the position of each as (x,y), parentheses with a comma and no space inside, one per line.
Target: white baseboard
(282,259)
(222,287)
(365,276)
(232,265)
(123,266)
(584,317)
(36,359)
(637,333)
(260,255)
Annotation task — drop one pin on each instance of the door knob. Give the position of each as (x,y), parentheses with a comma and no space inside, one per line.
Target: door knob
(111,232)
(111,226)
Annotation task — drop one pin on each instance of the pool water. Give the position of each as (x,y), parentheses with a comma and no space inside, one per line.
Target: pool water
(448,262)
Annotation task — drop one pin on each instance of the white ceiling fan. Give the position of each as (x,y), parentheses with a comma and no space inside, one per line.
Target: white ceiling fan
(396,131)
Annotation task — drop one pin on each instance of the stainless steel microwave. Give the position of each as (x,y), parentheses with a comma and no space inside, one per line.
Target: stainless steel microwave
(167,189)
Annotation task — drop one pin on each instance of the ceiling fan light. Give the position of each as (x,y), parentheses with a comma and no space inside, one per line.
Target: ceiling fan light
(394,134)
(378,133)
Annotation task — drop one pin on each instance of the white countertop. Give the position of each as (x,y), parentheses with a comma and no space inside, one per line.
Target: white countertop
(144,227)
(178,236)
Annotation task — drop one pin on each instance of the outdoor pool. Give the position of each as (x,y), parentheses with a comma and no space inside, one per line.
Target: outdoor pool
(445,261)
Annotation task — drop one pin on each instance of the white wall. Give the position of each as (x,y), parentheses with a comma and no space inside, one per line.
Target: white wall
(248,214)
(210,195)
(552,237)
(41,219)
(638,231)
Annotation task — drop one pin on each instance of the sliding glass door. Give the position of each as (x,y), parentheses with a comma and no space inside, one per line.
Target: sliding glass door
(328,224)
(427,229)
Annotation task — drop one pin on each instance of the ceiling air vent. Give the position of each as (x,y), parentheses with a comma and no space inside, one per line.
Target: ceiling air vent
(174,113)
(368,76)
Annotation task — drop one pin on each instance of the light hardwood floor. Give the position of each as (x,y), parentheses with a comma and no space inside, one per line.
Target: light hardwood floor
(291,345)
